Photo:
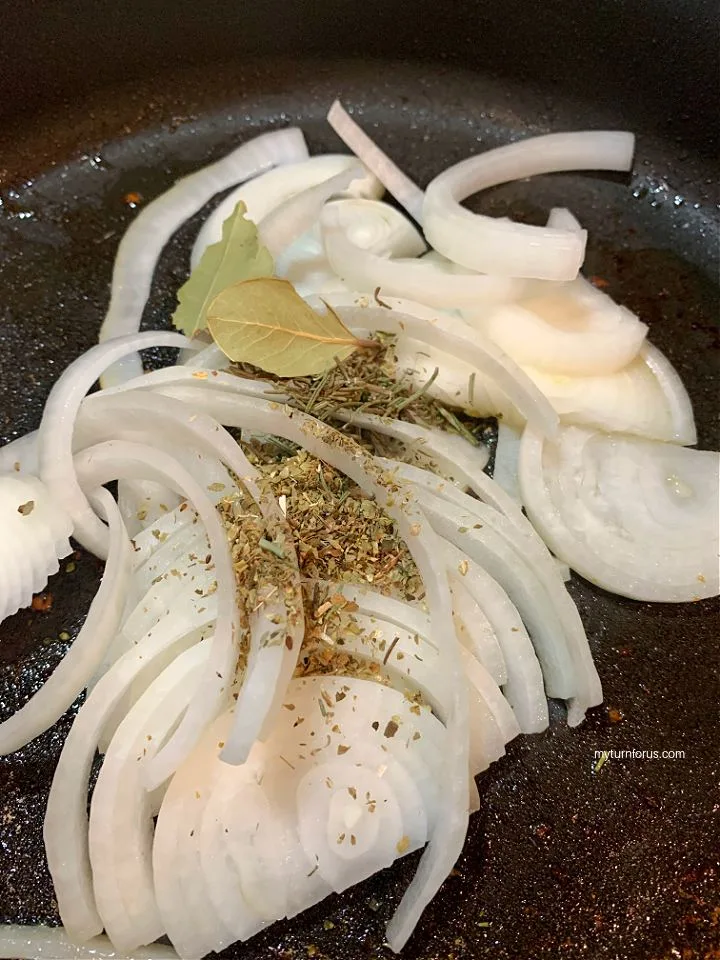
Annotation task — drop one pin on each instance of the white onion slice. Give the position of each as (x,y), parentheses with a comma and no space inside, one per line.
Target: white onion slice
(348,841)
(122,459)
(475,631)
(192,372)
(407,193)
(536,590)
(647,398)
(324,442)
(66,822)
(120,828)
(503,247)
(523,688)
(55,436)
(401,614)
(35,536)
(422,280)
(143,498)
(270,666)
(20,455)
(264,193)
(675,395)
(183,898)
(637,517)
(52,943)
(569,331)
(560,218)
(287,222)
(501,710)
(84,656)
(151,229)
(507,452)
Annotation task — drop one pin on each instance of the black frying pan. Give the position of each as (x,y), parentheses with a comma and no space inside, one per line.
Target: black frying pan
(100,101)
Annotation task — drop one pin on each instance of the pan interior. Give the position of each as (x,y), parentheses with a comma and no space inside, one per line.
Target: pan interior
(561,859)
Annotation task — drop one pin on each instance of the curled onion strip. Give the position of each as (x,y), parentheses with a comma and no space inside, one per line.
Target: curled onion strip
(264,193)
(85,655)
(114,459)
(501,246)
(55,436)
(66,822)
(407,193)
(120,830)
(52,943)
(146,236)
(296,215)
(523,688)
(538,593)
(269,666)
(423,280)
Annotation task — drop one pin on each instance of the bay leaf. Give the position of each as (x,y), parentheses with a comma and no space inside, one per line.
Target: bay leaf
(236,256)
(265,322)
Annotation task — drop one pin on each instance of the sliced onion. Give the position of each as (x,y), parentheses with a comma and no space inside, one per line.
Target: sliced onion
(146,236)
(194,372)
(647,398)
(523,688)
(187,910)
(296,215)
(66,822)
(20,456)
(376,227)
(264,193)
(270,666)
(324,442)
(560,218)
(422,280)
(121,827)
(84,656)
(35,536)
(475,631)
(507,452)
(538,593)
(503,247)
(501,710)
(123,458)
(569,331)
(675,395)
(52,943)
(407,193)
(637,517)
(247,888)
(55,436)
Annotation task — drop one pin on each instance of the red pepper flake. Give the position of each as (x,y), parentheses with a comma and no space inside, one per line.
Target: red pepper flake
(42,602)
(599,282)
(133,199)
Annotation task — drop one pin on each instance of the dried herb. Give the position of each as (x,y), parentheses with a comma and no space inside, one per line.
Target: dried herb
(266,322)
(237,256)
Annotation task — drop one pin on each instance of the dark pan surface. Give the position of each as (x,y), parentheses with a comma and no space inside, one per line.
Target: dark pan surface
(562,861)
